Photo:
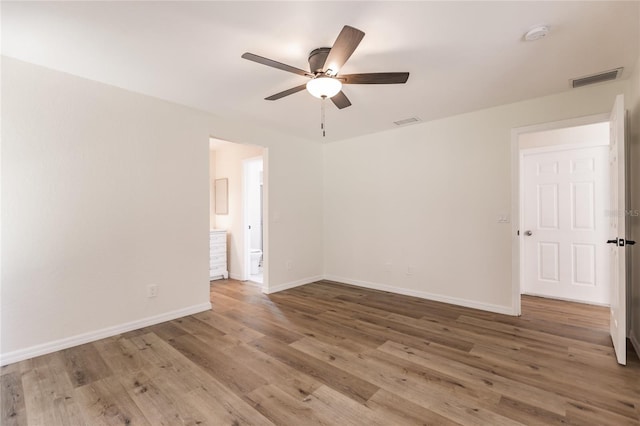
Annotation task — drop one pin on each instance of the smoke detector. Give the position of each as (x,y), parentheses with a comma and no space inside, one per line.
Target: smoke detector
(537,33)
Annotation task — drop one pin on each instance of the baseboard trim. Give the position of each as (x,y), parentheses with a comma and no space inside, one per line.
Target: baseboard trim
(634,341)
(235,276)
(292,284)
(506,310)
(80,339)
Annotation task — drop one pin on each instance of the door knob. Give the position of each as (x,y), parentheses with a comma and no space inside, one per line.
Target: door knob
(621,242)
(528,233)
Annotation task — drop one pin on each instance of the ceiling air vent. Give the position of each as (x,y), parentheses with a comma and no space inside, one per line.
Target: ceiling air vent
(596,78)
(406,121)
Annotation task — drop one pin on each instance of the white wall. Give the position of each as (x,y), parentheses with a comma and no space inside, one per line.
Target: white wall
(105,191)
(95,207)
(586,135)
(426,197)
(229,159)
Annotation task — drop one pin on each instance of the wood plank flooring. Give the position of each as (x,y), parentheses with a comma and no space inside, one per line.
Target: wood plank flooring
(332,354)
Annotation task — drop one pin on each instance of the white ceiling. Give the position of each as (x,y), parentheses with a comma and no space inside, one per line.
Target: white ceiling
(462,56)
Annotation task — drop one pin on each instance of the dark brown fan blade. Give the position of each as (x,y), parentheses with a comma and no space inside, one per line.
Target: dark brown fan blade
(286,93)
(341,101)
(275,64)
(375,78)
(347,41)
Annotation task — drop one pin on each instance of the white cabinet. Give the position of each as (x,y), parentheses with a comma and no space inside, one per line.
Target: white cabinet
(218,254)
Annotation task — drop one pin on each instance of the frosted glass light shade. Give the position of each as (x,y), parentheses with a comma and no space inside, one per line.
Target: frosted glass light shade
(324,86)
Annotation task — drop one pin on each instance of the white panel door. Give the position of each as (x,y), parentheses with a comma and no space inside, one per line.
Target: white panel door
(617,232)
(565,195)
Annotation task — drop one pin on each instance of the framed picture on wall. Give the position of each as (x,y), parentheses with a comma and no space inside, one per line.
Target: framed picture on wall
(221,194)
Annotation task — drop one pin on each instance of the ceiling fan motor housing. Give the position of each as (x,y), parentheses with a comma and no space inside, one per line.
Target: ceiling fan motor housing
(317,58)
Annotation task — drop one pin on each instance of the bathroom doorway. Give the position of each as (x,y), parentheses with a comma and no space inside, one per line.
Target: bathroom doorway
(230,162)
(253,202)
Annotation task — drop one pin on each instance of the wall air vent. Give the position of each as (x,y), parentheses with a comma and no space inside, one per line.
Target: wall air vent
(407,121)
(596,78)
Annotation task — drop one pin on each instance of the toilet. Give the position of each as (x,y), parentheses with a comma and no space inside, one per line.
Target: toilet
(256,254)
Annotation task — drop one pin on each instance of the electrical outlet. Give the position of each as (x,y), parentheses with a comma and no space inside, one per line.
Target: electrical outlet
(152,290)
(409,270)
(289,265)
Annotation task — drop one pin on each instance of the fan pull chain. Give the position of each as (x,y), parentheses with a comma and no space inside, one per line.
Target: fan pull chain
(322,122)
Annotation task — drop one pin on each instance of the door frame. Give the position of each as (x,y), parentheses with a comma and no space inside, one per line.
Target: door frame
(516,191)
(246,235)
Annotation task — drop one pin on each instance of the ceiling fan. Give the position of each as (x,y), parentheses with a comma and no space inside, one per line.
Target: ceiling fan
(324,70)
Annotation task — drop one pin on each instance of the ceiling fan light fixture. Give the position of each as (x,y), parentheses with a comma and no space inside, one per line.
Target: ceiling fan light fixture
(324,87)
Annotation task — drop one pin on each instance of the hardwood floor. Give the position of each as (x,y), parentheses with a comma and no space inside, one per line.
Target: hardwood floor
(332,354)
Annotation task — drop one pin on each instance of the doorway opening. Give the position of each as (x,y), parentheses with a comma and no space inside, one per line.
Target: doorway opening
(564,199)
(545,254)
(244,170)
(536,157)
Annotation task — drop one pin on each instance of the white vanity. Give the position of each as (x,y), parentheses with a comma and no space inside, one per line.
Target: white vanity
(218,254)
